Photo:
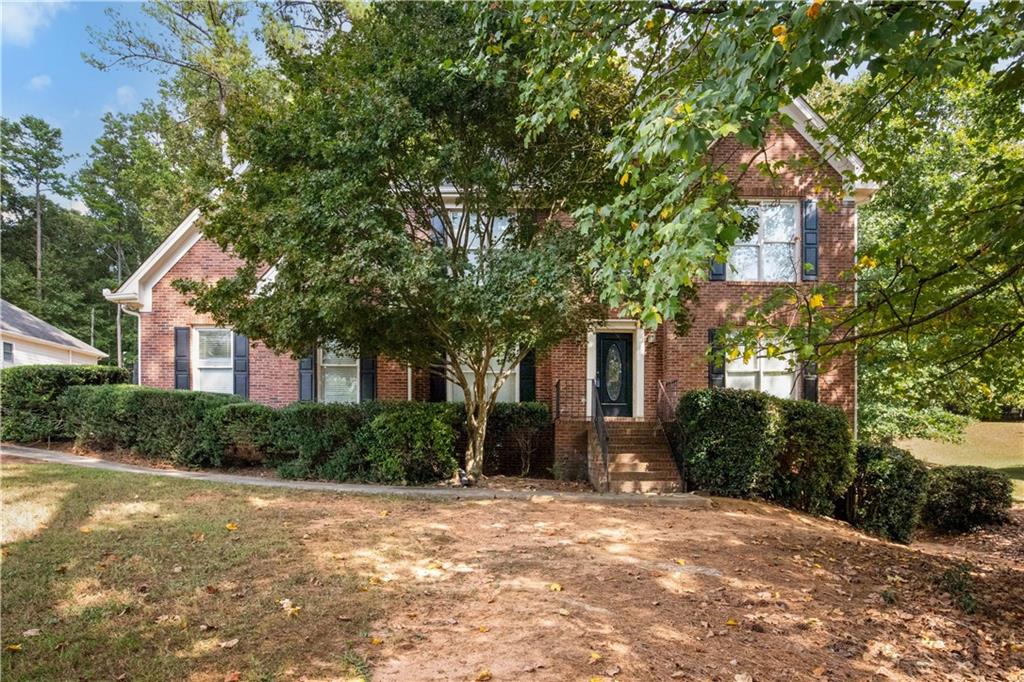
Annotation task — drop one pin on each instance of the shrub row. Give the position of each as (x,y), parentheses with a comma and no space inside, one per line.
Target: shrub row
(800,454)
(387,442)
(30,409)
(749,444)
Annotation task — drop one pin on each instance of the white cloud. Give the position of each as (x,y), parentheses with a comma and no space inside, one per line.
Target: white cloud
(125,95)
(21,20)
(79,206)
(40,82)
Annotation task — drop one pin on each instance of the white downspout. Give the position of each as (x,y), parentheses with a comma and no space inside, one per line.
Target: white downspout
(138,338)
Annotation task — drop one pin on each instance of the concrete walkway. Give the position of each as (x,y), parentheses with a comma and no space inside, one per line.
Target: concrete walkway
(685,500)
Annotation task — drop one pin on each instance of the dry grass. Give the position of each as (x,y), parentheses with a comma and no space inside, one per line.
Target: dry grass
(409,590)
(999,445)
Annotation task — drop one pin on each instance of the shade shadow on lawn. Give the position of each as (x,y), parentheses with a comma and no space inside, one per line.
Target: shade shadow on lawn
(140,578)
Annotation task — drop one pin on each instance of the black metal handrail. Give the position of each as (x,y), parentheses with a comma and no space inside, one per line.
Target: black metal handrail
(600,431)
(668,396)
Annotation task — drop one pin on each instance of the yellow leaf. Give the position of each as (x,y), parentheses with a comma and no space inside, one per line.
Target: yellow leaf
(668,120)
(624,179)
(484,675)
(731,622)
(649,24)
(384,513)
(575,113)
(14,647)
(634,224)
(647,262)
(484,628)
(555,587)
(231,526)
(681,562)
(816,301)
(376,641)
(595,657)
(85,529)
(665,213)
(527,20)
(814,10)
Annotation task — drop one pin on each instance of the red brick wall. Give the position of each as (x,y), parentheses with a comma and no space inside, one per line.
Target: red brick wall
(274,378)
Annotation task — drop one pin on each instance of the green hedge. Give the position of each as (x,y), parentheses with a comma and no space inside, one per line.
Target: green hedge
(815,462)
(961,498)
(30,407)
(749,444)
(887,493)
(729,440)
(152,422)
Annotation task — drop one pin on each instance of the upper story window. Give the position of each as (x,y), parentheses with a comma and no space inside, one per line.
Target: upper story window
(770,254)
(773,375)
(480,233)
(339,376)
(212,360)
(8,352)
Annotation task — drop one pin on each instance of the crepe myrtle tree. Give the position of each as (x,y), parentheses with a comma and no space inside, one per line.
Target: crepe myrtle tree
(401,212)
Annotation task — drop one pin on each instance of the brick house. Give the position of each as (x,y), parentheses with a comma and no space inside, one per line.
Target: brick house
(630,367)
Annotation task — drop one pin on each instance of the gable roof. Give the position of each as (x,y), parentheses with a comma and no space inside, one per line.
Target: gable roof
(137,291)
(19,323)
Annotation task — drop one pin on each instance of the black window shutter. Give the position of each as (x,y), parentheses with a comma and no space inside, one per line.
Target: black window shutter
(528,378)
(240,362)
(810,381)
(716,366)
(438,384)
(717,271)
(367,378)
(181,358)
(810,241)
(307,378)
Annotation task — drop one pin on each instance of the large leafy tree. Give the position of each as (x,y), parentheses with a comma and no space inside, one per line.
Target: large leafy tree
(401,210)
(33,159)
(940,279)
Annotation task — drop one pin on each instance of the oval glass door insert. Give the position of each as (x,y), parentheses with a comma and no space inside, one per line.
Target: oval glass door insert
(613,373)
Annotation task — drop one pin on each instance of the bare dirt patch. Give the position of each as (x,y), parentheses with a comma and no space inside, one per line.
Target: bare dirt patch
(505,589)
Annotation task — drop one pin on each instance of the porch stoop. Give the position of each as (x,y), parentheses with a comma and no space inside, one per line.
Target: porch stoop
(639,458)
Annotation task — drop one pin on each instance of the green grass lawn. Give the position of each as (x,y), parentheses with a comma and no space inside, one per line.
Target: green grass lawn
(999,445)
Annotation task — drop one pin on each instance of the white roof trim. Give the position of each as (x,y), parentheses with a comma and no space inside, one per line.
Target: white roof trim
(137,290)
(88,350)
(802,115)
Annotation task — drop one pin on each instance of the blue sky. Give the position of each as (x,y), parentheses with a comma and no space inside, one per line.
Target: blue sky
(42,72)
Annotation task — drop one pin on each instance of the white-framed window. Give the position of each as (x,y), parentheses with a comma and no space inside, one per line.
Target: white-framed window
(770,254)
(484,232)
(776,375)
(339,376)
(8,352)
(508,393)
(212,355)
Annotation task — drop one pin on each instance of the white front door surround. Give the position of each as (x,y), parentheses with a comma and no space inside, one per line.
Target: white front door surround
(639,350)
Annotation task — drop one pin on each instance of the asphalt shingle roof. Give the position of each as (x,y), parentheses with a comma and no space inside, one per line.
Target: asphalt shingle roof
(15,320)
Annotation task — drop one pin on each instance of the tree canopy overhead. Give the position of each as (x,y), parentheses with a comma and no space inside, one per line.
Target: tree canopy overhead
(401,209)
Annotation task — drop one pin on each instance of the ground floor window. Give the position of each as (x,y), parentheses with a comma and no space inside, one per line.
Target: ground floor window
(8,351)
(212,360)
(757,372)
(508,393)
(339,377)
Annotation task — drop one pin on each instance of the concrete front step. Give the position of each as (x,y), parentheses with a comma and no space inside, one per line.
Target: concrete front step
(660,486)
(667,468)
(639,459)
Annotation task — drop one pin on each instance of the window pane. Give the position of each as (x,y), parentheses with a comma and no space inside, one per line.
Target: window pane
(780,363)
(745,381)
(743,263)
(215,380)
(214,346)
(506,394)
(738,365)
(753,212)
(337,357)
(341,384)
(778,385)
(778,222)
(779,265)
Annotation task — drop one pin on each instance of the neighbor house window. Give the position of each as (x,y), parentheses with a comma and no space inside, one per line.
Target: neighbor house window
(508,393)
(773,375)
(8,352)
(339,377)
(212,355)
(770,254)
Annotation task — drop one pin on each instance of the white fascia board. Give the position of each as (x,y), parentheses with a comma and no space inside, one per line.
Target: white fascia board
(137,290)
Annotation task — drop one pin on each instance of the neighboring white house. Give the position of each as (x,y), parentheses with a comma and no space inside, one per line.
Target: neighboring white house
(27,340)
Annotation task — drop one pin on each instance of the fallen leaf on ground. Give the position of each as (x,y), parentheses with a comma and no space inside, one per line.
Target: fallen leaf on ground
(14,647)
(229,644)
(555,587)
(484,675)
(376,641)
(231,526)
(681,562)
(484,628)
(34,632)
(384,513)
(233,676)
(85,529)
(595,657)
(732,622)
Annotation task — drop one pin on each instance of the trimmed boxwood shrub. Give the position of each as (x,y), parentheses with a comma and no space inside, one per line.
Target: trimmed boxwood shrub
(152,422)
(887,493)
(31,410)
(729,440)
(814,462)
(406,443)
(961,498)
(248,430)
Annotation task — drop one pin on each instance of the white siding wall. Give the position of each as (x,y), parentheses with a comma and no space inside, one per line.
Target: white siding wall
(32,353)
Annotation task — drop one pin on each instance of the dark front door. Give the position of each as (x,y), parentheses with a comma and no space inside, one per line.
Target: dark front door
(615,374)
